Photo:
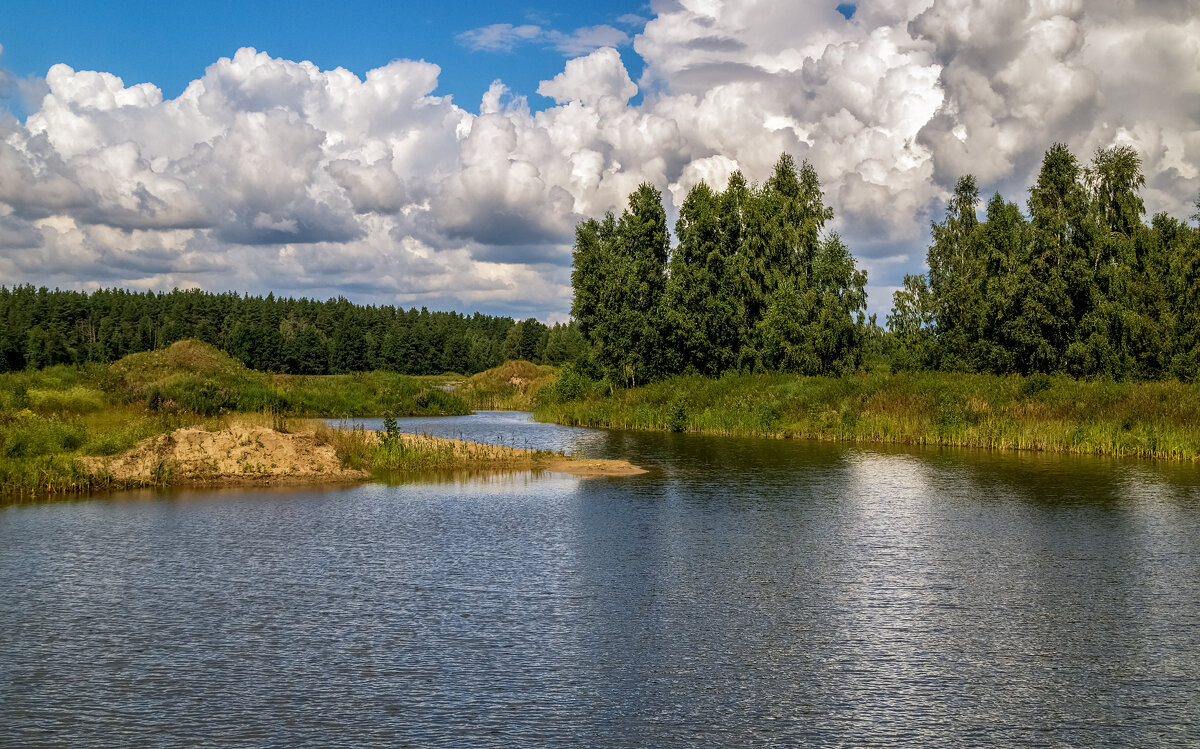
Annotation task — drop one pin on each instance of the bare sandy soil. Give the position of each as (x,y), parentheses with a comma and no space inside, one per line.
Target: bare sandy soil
(242,454)
(236,454)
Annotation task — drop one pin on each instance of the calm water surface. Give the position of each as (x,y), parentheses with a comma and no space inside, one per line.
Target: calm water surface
(744,592)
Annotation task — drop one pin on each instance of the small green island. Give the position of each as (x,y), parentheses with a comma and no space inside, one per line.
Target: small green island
(1074,327)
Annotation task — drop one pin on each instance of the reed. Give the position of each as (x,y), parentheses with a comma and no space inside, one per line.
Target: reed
(1060,414)
(392,452)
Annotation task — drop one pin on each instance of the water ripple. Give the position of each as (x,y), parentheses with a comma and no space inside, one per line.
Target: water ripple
(746,593)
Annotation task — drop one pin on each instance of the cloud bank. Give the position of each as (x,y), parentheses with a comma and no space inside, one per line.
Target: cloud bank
(270,174)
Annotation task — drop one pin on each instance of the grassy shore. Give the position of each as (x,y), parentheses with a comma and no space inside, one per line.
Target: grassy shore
(52,421)
(392,453)
(1059,414)
(52,417)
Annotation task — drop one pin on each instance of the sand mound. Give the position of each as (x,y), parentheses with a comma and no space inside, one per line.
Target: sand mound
(236,454)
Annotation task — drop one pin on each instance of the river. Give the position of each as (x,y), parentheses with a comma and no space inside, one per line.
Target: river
(742,592)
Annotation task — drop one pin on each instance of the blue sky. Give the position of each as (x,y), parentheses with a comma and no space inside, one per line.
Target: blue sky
(171,43)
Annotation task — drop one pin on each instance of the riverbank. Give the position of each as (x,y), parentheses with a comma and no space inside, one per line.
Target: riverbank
(397,453)
(60,425)
(1158,420)
(54,418)
(310,452)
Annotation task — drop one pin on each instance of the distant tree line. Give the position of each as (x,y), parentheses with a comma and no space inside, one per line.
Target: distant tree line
(39,327)
(753,284)
(1079,285)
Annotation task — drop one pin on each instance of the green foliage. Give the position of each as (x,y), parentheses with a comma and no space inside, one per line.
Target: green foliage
(438,402)
(752,285)
(564,343)
(677,416)
(1082,287)
(41,328)
(391,429)
(28,435)
(1034,385)
(911,325)
(526,341)
(619,276)
(306,352)
(571,384)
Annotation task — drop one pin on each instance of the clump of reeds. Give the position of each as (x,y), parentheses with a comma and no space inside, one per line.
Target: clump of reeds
(1148,419)
(391,452)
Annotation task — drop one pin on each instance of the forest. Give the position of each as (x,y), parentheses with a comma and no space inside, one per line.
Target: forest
(40,327)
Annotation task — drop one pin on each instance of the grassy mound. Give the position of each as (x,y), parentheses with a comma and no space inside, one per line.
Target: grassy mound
(193,377)
(190,357)
(512,385)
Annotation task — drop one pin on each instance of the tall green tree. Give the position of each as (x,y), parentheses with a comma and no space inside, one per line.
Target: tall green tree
(619,277)
(306,352)
(817,326)
(752,283)
(955,279)
(911,325)
(348,346)
(698,316)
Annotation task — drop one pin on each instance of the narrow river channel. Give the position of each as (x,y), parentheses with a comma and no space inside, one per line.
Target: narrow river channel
(743,592)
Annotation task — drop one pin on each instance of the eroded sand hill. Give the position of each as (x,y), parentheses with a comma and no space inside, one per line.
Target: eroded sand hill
(231,455)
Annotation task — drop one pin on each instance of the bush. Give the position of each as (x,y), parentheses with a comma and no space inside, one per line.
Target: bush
(677,416)
(27,435)
(1035,384)
(438,402)
(77,399)
(571,385)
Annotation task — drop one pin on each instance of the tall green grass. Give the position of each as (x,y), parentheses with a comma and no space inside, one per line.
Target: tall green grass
(391,453)
(1149,419)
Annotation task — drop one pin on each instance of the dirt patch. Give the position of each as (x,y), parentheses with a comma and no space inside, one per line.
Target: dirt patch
(236,454)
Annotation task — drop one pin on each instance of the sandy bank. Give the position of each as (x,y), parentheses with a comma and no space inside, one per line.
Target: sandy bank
(236,454)
(242,454)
